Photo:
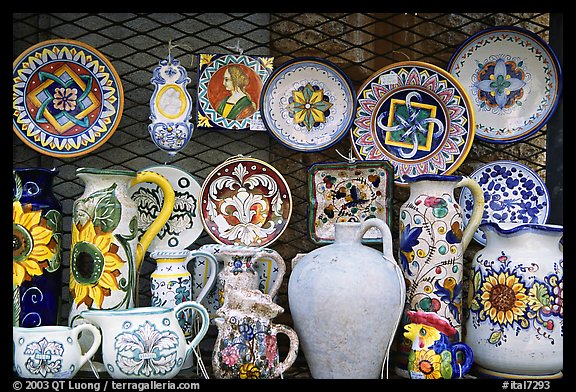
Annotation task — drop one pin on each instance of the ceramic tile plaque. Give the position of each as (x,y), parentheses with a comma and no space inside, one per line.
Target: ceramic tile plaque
(229,88)
(348,192)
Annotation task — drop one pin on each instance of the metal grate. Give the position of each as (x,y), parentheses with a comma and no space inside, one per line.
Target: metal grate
(359,43)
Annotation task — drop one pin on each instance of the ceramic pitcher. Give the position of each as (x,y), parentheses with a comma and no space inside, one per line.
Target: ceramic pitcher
(146,342)
(171,284)
(247,267)
(433,355)
(246,346)
(36,248)
(515,323)
(432,243)
(52,351)
(106,252)
(346,300)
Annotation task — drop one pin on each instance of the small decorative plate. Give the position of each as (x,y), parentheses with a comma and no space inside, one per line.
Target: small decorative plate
(514,81)
(348,192)
(229,88)
(512,193)
(245,201)
(67,98)
(184,225)
(308,104)
(416,116)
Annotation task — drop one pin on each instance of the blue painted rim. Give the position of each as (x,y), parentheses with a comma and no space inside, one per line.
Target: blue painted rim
(433,177)
(495,226)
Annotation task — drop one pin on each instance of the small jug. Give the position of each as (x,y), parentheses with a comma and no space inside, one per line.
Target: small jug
(52,351)
(432,355)
(246,346)
(145,342)
(247,267)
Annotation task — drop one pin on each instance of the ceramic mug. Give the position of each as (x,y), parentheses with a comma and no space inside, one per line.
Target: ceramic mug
(52,351)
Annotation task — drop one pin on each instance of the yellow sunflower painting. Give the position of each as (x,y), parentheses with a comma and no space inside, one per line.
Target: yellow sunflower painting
(428,363)
(504,298)
(94,266)
(33,245)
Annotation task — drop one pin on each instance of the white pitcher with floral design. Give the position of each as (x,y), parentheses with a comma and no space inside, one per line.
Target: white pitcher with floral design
(515,322)
(146,342)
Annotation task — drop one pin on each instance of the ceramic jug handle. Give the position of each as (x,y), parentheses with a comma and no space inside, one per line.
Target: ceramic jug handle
(205,322)
(212,272)
(97,339)
(477,210)
(386,235)
(269,253)
(163,215)
(292,350)
(461,369)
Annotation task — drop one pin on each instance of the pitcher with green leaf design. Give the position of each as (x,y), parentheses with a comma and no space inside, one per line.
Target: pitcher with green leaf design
(106,251)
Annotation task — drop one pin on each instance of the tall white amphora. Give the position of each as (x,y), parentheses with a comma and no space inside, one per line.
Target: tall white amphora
(346,300)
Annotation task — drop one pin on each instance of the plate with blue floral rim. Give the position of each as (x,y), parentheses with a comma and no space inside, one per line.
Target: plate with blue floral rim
(514,80)
(513,193)
(416,116)
(67,98)
(308,104)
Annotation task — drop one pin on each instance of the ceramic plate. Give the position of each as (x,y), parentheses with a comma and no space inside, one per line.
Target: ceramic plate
(512,193)
(245,201)
(67,98)
(236,80)
(266,268)
(348,192)
(308,104)
(514,81)
(416,116)
(184,225)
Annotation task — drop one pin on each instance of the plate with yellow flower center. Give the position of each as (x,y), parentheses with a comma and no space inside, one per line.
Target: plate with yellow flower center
(308,104)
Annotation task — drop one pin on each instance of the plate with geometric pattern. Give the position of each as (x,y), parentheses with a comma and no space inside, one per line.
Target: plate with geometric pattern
(67,98)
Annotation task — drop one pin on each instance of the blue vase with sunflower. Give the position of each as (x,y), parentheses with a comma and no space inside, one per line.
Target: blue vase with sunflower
(432,243)
(36,248)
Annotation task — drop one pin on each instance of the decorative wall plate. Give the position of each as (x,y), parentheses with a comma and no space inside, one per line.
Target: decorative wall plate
(245,201)
(513,192)
(348,192)
(67,98)
(184,225)
(416,116)
(308,104)
(514,81)
(229,88)
(170,107)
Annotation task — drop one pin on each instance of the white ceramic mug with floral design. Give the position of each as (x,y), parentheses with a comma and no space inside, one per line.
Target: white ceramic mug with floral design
(52,351)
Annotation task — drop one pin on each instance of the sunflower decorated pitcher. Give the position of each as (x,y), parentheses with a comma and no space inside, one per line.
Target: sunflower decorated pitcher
(106,251)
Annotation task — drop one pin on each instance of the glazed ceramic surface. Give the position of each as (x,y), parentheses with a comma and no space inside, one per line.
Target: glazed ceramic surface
(36,248)
(106,253)
(145,342)
(513,192)
(50,352)
(185,224)
(346,300)
(308,104)
(236,80)
(416,116)
(246,346)
(245,201)
(432,242)
(249,267)
(170,107)
(348,192)
(515,323)
(68,98)
(433,355)
(514,81)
